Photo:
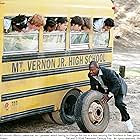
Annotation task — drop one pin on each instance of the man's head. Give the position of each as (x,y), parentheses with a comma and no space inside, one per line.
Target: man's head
(93,68)
(50,25)
(19,23)
(36,22)
(76,23)
(62,23)
(87,25)
(108,24)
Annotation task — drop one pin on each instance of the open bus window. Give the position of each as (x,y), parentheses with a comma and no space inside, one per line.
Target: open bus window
(79,37)
(53,41)
(100,37)
(21,33)
(54,37)
(23,23)
(101,29)
(20,42)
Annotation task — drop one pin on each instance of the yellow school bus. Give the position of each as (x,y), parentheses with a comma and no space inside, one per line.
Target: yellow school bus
(42,76)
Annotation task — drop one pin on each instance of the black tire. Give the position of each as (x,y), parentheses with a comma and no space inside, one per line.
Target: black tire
(66,113)
(90,114)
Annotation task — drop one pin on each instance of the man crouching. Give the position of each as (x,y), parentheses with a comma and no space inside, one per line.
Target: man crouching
(106,80)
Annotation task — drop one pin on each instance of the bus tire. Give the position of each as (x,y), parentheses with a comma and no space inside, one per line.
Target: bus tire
(66,113)
(90,114)
(47,117)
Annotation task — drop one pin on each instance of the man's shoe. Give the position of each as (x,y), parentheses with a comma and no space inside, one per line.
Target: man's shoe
(129,125)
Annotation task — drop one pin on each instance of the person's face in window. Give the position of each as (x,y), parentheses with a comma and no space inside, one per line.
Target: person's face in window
(76,27)
(85,29)
(107,28)
(50,29)
(93,70)
(34,26)
(63,26)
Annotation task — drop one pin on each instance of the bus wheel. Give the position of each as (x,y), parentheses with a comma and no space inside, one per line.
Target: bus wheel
(48,117)
(66,113)
(90,114)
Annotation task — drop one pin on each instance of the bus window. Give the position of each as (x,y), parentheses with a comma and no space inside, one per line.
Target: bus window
(53,41)
(20,36)
(20,42)
(101,40)
(79,40)
(54,37)
(79,37)
(101,28)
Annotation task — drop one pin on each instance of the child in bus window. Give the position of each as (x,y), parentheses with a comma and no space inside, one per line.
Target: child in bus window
(50,25)
(35,23)
(76,23)
(102,27)
(103,24)
(86,26)
(19,23)
(62,23)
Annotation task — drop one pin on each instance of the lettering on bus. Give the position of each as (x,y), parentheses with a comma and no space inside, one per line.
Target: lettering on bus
(41,64)
(80,60)
(77,60)
(98,58)
(61,62)
(56,63)
(17,67)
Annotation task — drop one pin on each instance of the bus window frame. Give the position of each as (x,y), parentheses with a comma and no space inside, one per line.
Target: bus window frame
(93,33)
(55,48)
(104,45)
(79,45)
(22,51)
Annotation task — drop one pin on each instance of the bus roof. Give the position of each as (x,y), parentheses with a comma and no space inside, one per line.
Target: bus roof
(61,7)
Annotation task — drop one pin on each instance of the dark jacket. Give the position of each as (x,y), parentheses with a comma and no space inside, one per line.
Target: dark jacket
(112,80)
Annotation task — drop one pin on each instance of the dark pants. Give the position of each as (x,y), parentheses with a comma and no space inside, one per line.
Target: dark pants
(122,107)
